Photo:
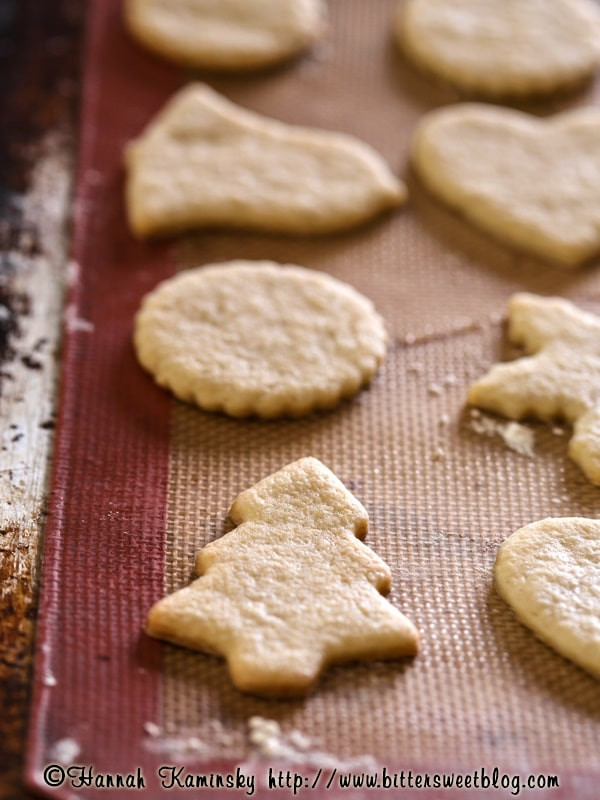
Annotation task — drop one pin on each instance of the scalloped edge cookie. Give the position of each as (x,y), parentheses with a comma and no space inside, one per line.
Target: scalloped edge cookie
(205,161)
(507,48)
(259,338)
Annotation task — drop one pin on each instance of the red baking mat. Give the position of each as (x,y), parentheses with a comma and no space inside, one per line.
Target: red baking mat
(99,680)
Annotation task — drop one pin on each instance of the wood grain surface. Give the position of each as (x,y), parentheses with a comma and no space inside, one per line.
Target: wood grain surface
(39,87)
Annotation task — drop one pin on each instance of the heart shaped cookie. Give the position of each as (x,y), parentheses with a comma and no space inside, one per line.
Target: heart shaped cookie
(549,573)
(205,161)
(512,47)
(534,183)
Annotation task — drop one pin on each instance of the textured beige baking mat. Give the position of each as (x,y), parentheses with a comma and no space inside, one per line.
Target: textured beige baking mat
(440,495)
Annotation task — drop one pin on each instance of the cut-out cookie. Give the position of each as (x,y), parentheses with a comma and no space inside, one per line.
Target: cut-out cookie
(204,161)
(549,573)
(291,590)
(259,338)
(560,378)
(512,47)
(225,34)
(534,183)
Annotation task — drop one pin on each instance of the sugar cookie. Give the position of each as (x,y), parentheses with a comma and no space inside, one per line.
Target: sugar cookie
(512,47)
(259,338)
(559,378)
(291,590)
(225,34)
(549,573)
(534,183)
(204,161)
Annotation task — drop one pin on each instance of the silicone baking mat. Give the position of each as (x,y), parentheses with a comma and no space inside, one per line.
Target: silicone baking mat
(141,482)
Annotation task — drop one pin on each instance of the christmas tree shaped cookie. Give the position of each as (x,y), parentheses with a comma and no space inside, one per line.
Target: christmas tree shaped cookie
(291,590)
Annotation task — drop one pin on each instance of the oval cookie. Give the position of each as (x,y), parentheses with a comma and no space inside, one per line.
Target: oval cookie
(225,34)
(549,572)
(511,47)
(259,338)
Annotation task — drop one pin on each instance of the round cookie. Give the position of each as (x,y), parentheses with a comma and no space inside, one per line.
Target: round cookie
(225,34)
(512,47)
(259,338)
(549,572)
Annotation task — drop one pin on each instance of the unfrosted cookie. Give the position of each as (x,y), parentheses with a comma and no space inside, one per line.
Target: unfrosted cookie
(534,183)
(502,47)
(204,161)
(549,572)
(559,378)
(259,338)
(225,34)
(291,590)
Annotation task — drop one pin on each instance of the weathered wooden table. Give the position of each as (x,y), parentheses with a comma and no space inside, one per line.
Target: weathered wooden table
(39,85)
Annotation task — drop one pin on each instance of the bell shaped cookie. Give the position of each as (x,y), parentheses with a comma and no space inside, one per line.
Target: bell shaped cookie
(207,162)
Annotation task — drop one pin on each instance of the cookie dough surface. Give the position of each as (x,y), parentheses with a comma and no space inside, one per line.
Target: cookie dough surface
(204,161)
(259,338)
(559,378)
(533,183)
(225,34)
(306,592)
(513,47)
(549,572)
